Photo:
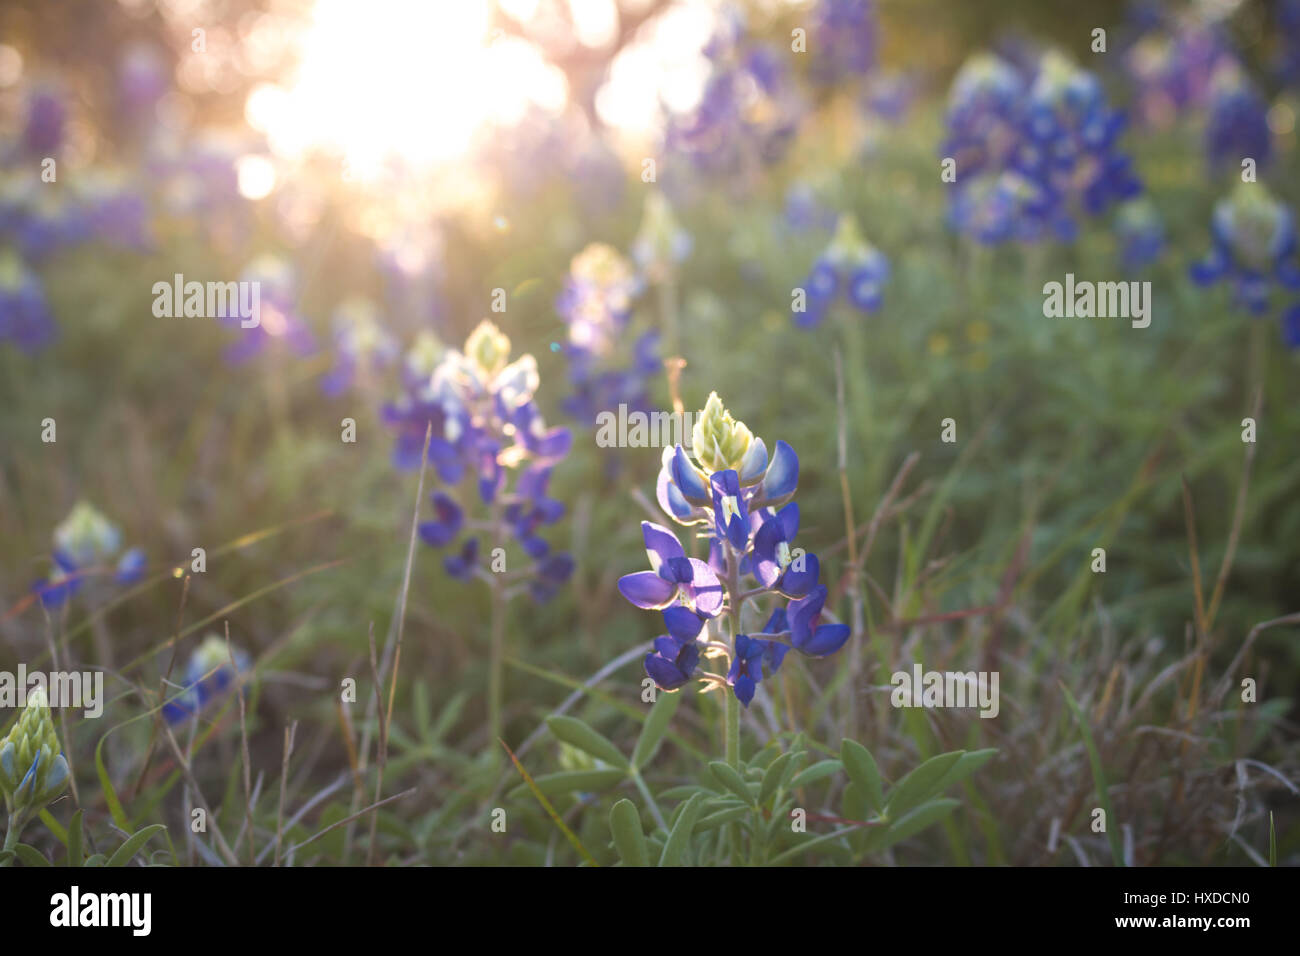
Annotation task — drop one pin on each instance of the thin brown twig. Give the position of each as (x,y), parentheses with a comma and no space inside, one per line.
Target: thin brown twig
(348,819)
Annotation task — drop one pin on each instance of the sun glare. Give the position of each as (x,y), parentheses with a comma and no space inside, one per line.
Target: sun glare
(410,81)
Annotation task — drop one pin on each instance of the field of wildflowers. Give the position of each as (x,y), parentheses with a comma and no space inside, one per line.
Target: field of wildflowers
(649,432)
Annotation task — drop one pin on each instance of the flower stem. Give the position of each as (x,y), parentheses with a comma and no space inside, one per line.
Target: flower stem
(731,715)
(11,835)
(732,728)
(495,663)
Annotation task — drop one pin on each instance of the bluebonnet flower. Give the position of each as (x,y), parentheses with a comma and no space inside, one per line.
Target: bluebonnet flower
(999,207)
(983,117)
(774,563)
(1237,125)
(596,304)
(1254,248)
(363,347)
(1072,139)
(86,543)
(807,632)
(486,426)
(1171,70)
(843,36)
(25,316)
(33,770)
(279,319)
(44,122)
(889,95)
(111,209)
(36,221)
(850,266)
(673,662)
(143,79)
(747,114)
(805,212)
(208,676)
(1044,153)
(198,186)
(738,500)
(1140,233)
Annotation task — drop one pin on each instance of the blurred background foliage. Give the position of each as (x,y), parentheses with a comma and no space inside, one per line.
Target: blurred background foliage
(1072,434)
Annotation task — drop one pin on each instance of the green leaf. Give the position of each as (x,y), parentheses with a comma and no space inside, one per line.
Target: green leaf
(629,838)
(450,714)
(566,781)
(53,826)
(30,855)
(96,860)
(920,784)
(862,770)
(719,817)
(818,771)
(420,709)
(730,778)
(916,821)
(807,843)
(573,731)
(772,777)
(970,761)
(682,792)
(6,857)
(123,854)
(74,839)
(680,837)
(110,795)
(656,726)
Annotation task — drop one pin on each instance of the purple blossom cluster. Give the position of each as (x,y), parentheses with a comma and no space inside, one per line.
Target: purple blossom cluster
(1034,154)
(738,501)
(488,444)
